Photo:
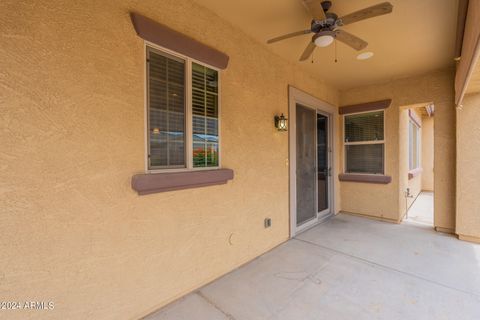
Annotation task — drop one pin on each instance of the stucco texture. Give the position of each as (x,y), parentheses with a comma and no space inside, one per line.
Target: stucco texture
(427,153)
(468,170)
(387,201)
(72,119)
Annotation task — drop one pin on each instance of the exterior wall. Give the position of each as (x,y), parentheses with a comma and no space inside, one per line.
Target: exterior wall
(468,169)
(387,201)
(427,153)
(376,200)
(72,99)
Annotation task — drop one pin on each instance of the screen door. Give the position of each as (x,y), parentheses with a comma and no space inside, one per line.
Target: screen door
(306,123)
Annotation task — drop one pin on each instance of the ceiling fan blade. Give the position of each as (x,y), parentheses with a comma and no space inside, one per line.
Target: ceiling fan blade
(308,51)
(351,40)
(289,35)
(367,13)
(315,9)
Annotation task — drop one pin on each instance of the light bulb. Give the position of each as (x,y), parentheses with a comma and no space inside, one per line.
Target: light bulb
(323,41)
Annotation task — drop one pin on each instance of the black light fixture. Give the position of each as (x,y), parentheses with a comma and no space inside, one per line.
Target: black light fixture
(281,123)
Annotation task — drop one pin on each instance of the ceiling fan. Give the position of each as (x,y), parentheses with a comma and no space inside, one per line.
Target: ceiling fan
(325,26)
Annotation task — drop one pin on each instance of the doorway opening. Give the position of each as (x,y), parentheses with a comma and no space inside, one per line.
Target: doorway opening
(311,142)
(416,163)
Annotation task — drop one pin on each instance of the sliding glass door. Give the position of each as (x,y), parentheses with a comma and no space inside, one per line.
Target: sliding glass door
(313,166)
(323,164)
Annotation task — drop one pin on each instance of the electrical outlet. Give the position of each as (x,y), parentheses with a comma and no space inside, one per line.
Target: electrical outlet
(267,223)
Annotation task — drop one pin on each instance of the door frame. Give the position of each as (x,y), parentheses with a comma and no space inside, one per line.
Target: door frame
(296,96)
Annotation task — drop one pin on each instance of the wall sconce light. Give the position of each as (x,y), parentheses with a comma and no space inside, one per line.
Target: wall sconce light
(281,123)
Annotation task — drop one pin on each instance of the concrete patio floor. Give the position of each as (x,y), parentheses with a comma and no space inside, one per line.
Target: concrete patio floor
(347,268)
(421,210)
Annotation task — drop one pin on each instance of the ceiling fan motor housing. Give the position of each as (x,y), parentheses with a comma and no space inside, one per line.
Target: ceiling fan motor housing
(330,23)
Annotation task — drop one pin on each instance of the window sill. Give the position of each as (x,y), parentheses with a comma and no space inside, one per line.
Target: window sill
(148,183)
(365,178)
(414,172)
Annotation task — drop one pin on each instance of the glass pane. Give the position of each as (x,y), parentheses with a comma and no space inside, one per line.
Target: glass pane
(199,157)
(413,146)
(211,80)
(322,161)
(198,102)
(212,154)
(198,128)
(364,127)
(166,110)
(364,158)
(198,76)
(410,145)
(306,162)
(205,116)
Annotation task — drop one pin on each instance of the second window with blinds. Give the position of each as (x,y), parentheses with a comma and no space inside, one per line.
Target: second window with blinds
(182,113)
(364,142)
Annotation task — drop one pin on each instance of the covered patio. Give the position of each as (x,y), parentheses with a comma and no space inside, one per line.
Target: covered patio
(347,268)
(212,159)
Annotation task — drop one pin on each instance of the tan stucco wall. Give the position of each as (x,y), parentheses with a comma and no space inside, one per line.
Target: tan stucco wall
(427,153)
(369,199)
(387,201)
(468,169)
(72,117)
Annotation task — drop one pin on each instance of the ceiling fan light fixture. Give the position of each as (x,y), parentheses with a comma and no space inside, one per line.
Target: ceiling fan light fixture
(365,55)
(323,40)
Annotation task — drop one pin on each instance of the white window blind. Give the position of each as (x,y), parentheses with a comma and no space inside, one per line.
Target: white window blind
(166,110)
(364,142)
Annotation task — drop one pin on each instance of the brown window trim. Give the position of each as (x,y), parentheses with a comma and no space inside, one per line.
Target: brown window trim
(162,35)
(365,178)
(414,172)
(148,183)
(367,106)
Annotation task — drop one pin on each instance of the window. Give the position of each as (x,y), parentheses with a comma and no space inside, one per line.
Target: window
(205,116)
(413,146)
(182,131)
(364,142)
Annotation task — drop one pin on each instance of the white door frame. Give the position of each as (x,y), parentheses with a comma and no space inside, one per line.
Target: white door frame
(321,107)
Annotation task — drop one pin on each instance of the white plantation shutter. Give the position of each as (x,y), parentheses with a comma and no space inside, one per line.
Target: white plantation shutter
(364,142)
(204,116)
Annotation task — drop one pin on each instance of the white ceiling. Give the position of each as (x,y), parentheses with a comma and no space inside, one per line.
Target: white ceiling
(417,37)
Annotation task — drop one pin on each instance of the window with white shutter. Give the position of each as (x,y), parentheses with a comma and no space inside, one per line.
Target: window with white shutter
(364,142)
(182,112)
